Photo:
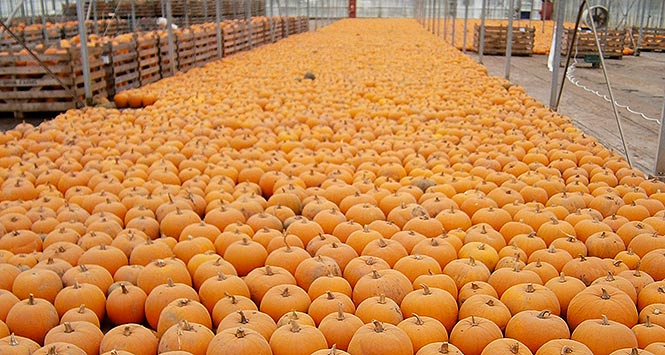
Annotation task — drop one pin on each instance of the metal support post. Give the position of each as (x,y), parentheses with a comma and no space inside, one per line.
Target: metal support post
(481,45)
(660,156)
(248,21)
(44,29)
(84,52)
(133,13)
(171,39)
(286,14)
(509,37)
(445,19)
(218,28)
(556,62)
(466,25)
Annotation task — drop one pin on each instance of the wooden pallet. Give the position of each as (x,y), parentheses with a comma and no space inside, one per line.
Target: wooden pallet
(148,59)
(236,37)
(123,66)
(653,39)
(32,38)
(205,42)
(611,43)
(26,86)
(186,50)
(278,28)
(164,56)
(497,36)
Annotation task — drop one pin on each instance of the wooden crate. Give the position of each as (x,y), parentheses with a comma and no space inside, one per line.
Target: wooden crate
(205,42)
(260,32)
(122,66)
(235,38)
(26,86)
(71,30)
(611,43)
(304,24)
(186,50)
(496,37)
(164,56)
(653,39)
(33,37)
(278,28)
(148,59)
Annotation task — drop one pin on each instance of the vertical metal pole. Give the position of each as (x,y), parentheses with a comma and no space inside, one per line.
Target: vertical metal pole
(95,24)
(466,24)
(643,10)
(435,17)
(205,11)
(307,15)
(44,21)
(509,37)
(445,19)
(84,52)
(169,32)
(298,17)
(186,9)
(218,28)
(660,156)
(452,35)
(481,44)
(662,16)
(286,14)
(533,2)
(133,14)
(248,22)
(32,12)
(556,62)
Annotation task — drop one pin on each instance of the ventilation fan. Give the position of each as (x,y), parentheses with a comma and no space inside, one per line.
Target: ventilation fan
(598,14)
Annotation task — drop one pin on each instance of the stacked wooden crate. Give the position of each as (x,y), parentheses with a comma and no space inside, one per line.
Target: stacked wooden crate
(611,43)
(122,65)
(148,58)
(26,86)
(205,42)
(165,67)
(653,39)
(186,50)
(235,37)
(496,38)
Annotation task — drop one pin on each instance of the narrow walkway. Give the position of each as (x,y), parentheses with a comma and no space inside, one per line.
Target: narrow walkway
(636,81)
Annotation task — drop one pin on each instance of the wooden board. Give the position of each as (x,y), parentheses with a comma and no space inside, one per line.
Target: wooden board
(653,39)
(611,42)
(206,46)
(148,59)
(26,86)
(186,51)
(164,55)
(496,37)
(122,66)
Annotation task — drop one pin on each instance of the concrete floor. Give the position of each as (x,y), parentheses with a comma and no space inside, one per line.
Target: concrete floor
(636,81)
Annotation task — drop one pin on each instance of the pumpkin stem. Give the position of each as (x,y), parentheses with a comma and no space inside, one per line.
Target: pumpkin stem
(604,320)
(170,283)
(285,292)
(184,302)
(31,299)
(382,298)
(68,327)
(378,326)
(419,321)
(530,288)
(243,318)
(295,328)
(382,243)
(286,243)
(426,290)
(473,321)
(474,286)
(269,271)
(333,350)
(647,322)
(551,249)
(634,351)
(83,268)
(127,331)
(330,295)
(340,311)
(472,261)
(233,298)
(81,308)
(444,348)
(566,350)
(490,302)
(375,274)
(185,325)
(544,314)
(240,333)
(370,261)
(52,350)
(515,348)
(604,294)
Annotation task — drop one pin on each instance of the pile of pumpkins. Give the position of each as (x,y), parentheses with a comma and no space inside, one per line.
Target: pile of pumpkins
(362,189)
